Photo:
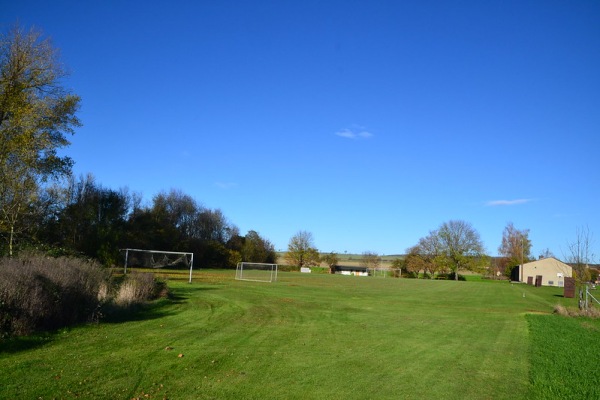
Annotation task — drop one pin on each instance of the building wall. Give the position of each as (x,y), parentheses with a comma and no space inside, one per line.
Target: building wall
(552,271)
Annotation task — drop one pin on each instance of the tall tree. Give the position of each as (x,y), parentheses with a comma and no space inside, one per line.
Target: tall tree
(331,259)
(301,250)
(461,246)
(177,210)
(371,260)
(415,261)
(515,248)
(427,256)
(258,249)
(397,266)
(92,222)
(36,114)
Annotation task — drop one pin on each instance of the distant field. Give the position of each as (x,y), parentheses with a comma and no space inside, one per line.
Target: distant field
(353,260)
(306,337)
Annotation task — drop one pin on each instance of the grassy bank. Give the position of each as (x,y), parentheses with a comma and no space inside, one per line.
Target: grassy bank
(308,336)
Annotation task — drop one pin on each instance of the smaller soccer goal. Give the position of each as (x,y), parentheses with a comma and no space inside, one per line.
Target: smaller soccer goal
(257,272)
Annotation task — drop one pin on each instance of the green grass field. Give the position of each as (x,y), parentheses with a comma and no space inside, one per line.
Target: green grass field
(317,337)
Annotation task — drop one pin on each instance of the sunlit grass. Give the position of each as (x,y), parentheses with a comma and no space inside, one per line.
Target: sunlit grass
(565,355)
(307,336)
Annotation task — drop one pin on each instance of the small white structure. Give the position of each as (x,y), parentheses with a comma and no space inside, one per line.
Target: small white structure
(351,270)
(552,272)
(305,270)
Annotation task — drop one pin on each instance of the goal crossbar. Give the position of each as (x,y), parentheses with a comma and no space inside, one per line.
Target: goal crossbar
(185,254)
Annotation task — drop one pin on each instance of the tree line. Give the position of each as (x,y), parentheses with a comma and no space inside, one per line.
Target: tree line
(454,247)
(81,217)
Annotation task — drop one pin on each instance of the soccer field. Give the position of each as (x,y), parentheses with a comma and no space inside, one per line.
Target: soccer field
(304,337)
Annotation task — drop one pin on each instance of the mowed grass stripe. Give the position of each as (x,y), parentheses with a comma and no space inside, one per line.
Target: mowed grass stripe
(566,354)
(306,336)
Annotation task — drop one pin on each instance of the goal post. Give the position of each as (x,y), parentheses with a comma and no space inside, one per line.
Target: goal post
(256,272)
(158,259)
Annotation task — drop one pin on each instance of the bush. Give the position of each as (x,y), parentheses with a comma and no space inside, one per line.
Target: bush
(451,276)
(139,287)
(591,312)
(288,268)
(44,293)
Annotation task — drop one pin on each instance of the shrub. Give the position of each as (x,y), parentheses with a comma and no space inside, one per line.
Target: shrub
(451,276)
(44,293)
(412,275)
(396,272)
(139,287)
(591,312)
(288,268)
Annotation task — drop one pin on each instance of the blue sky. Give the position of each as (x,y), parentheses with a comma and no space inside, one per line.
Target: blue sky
(366,123)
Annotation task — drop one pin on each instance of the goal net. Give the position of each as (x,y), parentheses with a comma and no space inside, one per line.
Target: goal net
(137,258)
(257,272)
(382,272)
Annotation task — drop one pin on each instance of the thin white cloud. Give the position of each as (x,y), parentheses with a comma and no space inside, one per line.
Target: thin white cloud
(225,185)
(356,133)
(346,133)
(495,203)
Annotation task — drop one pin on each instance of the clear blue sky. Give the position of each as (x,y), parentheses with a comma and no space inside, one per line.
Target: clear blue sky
(366,123)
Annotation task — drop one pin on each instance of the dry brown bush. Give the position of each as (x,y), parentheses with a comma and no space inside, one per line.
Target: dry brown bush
(591,312)
(43,293)
(137,288)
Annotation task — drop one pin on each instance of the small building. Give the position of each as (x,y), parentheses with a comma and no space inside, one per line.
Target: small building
(545,272)
(351,270)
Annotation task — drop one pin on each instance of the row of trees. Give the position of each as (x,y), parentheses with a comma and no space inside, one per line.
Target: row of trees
(84,218)
(455,246)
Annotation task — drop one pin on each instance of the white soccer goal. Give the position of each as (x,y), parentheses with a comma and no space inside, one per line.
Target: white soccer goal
(382,272)
(257,272)
(158,259)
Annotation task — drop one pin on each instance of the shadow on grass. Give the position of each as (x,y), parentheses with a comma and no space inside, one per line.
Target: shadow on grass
(16,345)
(150,311)
(183,293)
(111,315)
(137,312)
